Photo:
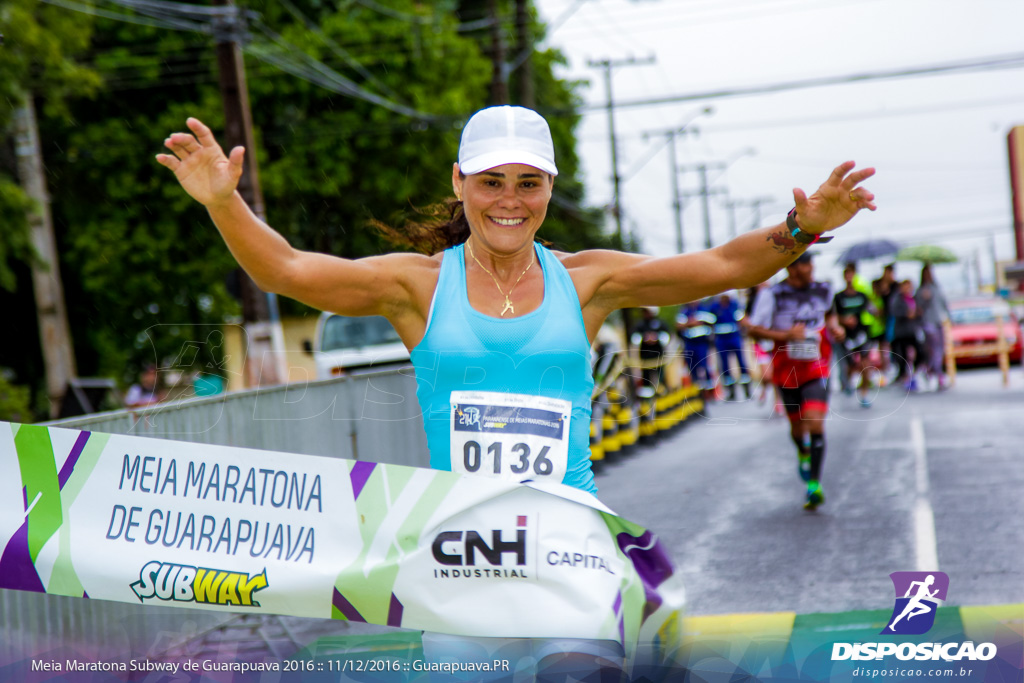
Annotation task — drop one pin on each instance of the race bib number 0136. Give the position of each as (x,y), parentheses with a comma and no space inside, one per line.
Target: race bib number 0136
(510,436)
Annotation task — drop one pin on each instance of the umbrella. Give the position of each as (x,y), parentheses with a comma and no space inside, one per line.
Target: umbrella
(926,253)
(868,249)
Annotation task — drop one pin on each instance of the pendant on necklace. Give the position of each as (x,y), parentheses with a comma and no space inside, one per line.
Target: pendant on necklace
(508,307)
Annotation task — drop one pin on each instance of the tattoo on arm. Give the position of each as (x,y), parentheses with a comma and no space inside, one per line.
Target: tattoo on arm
(782,242)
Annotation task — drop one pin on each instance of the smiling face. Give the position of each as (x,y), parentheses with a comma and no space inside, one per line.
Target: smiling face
(505,205)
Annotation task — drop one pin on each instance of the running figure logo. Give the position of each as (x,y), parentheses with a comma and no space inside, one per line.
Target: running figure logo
(921,591)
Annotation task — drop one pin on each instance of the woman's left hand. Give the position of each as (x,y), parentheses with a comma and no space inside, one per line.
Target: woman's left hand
(837,200)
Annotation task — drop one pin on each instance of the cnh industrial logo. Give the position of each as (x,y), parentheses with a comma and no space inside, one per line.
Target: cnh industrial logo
(461,550)
(918,595)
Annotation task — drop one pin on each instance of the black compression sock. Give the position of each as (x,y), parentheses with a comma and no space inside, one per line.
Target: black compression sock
(817,455)
(800,441)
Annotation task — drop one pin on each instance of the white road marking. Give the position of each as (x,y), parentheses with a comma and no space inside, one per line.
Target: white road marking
(925,547)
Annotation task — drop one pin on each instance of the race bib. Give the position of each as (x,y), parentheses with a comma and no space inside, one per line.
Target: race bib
(805,349)
(510,436)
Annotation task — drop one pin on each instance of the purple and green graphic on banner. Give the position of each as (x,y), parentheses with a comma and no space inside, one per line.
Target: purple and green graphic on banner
(170,523)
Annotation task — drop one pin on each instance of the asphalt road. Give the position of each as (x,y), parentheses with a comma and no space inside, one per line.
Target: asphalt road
(914,481)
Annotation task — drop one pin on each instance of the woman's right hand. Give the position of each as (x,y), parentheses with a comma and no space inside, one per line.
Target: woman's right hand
(200,165)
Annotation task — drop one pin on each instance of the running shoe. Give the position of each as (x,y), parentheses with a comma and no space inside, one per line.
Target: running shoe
(815,496)
(804,465)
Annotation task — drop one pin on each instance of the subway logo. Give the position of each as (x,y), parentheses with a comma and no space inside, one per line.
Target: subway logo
(184,583)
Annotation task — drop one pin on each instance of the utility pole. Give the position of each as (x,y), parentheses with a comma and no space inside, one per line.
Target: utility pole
(755,204)
(51,311)
(524,48)
(677,199)
(673,166)
(499,72)
(705,192)
(259,309)
(608,65)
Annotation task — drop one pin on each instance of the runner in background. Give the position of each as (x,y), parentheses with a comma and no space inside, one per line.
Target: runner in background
(908,336)
(874,320)
(794,315)
(883,289)
(729,344)
(855,344)
(762,353)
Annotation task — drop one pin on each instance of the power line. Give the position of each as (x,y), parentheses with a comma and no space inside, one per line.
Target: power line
(1011,61)
(153,22)
(607,65)
(291,59)
(174,9)
(384,48)
(941,107)
(631,21)
(422,20)
(549,29)
(298,63)
(338,50)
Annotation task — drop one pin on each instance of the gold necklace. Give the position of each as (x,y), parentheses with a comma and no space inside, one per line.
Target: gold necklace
(508,302)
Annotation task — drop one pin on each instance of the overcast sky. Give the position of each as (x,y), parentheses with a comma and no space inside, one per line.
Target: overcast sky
(937,141)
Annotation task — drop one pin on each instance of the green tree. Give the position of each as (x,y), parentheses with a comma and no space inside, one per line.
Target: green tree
(144,268)
(37,60)
(570,224)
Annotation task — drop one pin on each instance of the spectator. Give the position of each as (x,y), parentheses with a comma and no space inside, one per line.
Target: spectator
(933,307)
(695,326)
(729,344)
(651,337)
(145,392)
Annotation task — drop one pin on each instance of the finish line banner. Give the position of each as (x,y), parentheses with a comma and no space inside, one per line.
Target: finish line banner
(171,523)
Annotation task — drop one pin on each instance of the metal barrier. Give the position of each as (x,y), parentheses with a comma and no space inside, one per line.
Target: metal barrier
(372,417)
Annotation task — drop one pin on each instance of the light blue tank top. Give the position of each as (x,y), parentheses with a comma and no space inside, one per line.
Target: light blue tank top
(543,354)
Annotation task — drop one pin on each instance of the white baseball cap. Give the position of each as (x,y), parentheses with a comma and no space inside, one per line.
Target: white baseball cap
(506,135)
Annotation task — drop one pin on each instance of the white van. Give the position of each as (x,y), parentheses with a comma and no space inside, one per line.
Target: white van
(346,345)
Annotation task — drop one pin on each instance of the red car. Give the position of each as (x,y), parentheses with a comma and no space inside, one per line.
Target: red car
(974,323)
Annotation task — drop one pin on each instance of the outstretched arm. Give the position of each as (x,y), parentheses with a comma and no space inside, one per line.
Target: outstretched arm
(361,287)
(628,280)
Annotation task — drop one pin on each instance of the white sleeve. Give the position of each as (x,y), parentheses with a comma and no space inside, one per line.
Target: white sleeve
(133,395)
(764,309)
